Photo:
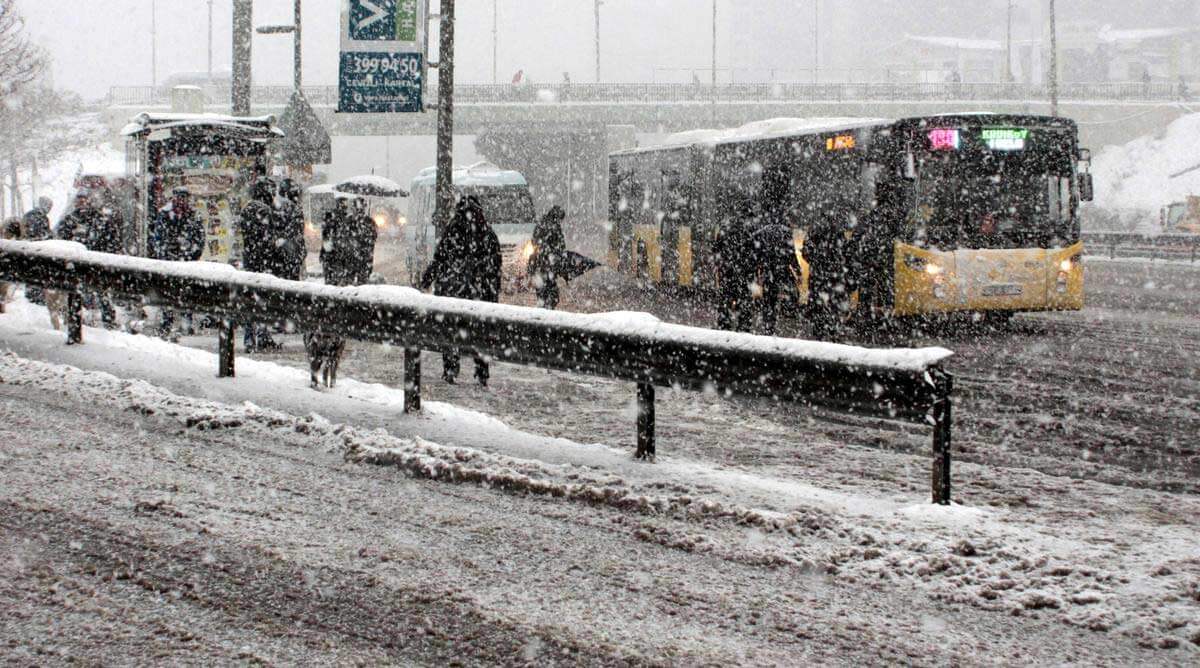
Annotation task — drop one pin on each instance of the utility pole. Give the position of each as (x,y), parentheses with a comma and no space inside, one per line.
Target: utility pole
(714,64)
(445,124)
(597,41)
(1053,62)
(210,41)
(154,44)
(816,41)
(298,73)
(1008,70)
(495,40)
(243,32)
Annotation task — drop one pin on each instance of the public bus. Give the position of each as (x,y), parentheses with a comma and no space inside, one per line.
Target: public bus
(968,212)
(507,206)
(217,158)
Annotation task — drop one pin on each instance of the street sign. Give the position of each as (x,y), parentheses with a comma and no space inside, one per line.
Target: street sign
(382,66)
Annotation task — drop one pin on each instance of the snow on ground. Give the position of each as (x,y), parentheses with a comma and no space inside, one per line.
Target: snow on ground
(1135,177)
(1089,557)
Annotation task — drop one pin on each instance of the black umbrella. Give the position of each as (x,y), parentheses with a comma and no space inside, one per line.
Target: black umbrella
(371,186)
(574,265)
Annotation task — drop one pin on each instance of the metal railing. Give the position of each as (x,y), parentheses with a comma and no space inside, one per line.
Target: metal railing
(1151,246)
(907,385)
(735,92)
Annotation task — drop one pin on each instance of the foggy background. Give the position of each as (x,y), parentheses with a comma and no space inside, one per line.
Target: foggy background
(96,45)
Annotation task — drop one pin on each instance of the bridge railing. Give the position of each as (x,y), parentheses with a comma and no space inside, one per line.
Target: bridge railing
(907,384)
(735,92)
(1138,244)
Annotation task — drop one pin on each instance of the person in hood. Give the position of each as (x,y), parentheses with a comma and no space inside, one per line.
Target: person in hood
(348,243)
(291,252)
(98,230)
(37,220)
(466,265)
(176,235)
(549,254)
(735,270)
(774,252)
(260,251)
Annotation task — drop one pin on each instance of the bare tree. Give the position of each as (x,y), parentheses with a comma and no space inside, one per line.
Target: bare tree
(21,62)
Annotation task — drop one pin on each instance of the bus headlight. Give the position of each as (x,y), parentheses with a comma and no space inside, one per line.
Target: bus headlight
(1065,265)
(934,269)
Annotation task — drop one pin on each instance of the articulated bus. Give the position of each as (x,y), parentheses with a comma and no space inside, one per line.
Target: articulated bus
(951,213)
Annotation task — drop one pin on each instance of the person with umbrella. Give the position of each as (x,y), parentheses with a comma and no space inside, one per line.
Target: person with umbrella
(466,265)
(549,255)
(348,243)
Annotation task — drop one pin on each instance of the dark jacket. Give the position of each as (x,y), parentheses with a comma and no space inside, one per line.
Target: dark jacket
(176,237)
(98,230)
(775,254)
(291,252)
(735,256)
(467,261)
(549,248)
(37,226)
(257,226)
(348,247)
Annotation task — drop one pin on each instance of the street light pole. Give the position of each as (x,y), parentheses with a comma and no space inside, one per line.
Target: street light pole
(243,30)
(154,44)
(816,41)
(298,73)
(597,41)
(1053,62)
(210,41)
(714,64)
(1008,71)
(445,123)
(495,40)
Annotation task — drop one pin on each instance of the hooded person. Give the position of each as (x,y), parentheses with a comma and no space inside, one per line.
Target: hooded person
(466,265)
(735,259)
(291,251)
(549,253)
(98,229)
(37,220)
(257,225)
(348,243)
(176,235)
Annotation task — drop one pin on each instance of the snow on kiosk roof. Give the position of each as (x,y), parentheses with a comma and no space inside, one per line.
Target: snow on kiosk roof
(255,127)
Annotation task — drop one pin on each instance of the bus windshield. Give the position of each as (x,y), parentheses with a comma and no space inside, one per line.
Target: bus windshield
(1014,201)
(509,209)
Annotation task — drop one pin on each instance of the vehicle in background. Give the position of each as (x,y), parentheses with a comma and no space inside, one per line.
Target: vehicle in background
(1181,217)
(320,200)
(507,205)
(981,214)
(217,158)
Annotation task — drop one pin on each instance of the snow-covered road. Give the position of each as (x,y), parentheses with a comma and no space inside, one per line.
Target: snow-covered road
(761,535)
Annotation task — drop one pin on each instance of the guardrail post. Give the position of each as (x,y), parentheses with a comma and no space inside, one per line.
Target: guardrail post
(941,441)
(225,350)
(412,380)
(74,318)
(645,421)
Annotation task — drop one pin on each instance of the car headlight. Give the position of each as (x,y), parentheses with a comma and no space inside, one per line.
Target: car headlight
(527,251)
(380,220)
(933,269)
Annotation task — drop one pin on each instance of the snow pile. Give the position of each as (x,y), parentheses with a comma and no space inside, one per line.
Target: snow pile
(1136,177)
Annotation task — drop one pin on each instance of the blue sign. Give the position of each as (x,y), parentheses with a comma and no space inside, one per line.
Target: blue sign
(379,83)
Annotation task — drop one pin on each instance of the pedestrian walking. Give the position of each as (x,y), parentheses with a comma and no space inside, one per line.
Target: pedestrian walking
(549,254)
(776,263)
(176,235)
(466,265)
(290,219)
(260,248)
(735,270)
(348,243)
(98,230)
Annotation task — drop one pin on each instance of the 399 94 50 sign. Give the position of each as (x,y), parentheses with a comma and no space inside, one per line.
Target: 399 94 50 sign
(380,83)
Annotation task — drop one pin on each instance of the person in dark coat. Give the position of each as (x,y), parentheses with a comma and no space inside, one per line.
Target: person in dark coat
(98,230)
(176,235)
(774,251)
(735,271)
(290,220)
(36,227)
(549,253)
(348,243)
(466,265)
(826,249)
(260,251)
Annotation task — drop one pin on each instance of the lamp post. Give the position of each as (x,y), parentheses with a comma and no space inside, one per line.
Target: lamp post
(816,41)
(1053,62)
(495,40)
(294,31)
(714,63)
(154,44)
(445,121)
(210,41)
(243,32)
(597,13)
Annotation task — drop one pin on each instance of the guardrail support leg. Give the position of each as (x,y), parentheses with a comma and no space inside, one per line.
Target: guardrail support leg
(941,445)
(645,421)
(412,380)
(74,318)
(225,350)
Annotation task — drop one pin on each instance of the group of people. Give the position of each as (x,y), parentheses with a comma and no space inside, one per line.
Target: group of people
(755,259)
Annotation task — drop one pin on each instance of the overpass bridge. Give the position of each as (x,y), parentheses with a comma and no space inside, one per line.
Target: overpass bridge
(560,135)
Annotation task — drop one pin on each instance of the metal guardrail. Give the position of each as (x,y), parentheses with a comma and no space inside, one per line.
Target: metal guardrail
(735,92)
(908,385)
(1152,246)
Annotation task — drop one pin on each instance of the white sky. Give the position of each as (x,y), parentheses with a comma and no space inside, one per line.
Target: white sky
(100,43)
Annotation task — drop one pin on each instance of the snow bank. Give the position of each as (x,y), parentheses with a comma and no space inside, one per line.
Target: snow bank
(1136,176)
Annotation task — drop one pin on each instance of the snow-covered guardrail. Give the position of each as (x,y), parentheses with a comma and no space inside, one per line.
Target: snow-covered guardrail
(902,384)
(1137,244)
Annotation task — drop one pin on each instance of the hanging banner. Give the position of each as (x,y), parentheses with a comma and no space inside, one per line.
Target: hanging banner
(383,46)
